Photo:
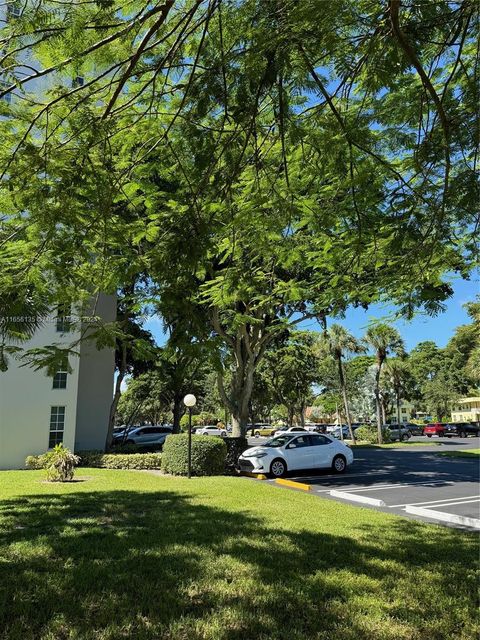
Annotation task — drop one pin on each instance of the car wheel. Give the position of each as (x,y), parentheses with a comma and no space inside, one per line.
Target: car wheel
(339,464)
(257,434)
(463,434)
(429,435)
(129,442)
(278,468)
(224,434)
(404,438)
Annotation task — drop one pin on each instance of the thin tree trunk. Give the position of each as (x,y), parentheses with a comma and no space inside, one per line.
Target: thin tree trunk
(398,405)
(343,386)
(116,396)
(378,403)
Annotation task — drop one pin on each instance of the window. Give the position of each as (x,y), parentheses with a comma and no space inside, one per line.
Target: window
(14,10)
(57,425)
(60,378)
(63,318)
(316,440)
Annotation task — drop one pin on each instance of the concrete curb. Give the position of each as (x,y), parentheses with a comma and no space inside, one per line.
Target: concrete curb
(257,476)
(293,484)
(344,495)
(444,517)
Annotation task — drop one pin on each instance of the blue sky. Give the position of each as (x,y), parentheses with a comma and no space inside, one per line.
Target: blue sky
(439,329)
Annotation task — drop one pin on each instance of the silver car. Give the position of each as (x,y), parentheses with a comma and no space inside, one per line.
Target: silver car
(144,435)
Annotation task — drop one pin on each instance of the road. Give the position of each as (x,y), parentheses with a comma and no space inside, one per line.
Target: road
(414,482)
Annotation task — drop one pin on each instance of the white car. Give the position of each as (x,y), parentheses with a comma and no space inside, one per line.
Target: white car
(210,431)
(283,430)
(293,452)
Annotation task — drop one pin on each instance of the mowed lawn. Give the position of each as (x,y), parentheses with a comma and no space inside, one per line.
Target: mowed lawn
(124,554)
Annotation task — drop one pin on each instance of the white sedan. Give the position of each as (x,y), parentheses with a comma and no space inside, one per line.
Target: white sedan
(294,452)
(283,430)
(211,431)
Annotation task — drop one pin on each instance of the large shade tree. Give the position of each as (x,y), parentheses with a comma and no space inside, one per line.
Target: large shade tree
(281,159)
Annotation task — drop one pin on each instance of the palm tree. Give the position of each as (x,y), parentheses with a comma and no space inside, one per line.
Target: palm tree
(340,342)
(399,375)
(384,340)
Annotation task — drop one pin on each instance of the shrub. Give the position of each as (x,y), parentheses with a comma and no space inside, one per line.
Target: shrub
(208,455)
(368,433)
(98,459)
(136,448)
(34,462)
(235,447)
(59,463)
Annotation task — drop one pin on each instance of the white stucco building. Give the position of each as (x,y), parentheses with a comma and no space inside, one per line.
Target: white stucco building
(38,411)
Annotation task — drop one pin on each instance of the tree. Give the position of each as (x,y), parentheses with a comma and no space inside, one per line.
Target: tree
(290,367)
(384,340)
(340,343)
(401,379)
(217,122)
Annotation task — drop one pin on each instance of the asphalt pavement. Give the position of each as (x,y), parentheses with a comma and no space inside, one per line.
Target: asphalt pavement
(415,482)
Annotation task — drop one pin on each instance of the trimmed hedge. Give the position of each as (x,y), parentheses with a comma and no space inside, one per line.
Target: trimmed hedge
(235,447)
(101,460)
(208,455)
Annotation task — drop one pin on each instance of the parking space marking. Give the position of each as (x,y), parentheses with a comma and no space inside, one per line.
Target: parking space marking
(433,502)
(398,486)
(442,516)
(452,504)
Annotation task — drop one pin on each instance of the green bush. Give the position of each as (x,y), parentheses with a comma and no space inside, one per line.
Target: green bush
(235,447)
(368,433)
(208,455)
(59,463)
(101,460)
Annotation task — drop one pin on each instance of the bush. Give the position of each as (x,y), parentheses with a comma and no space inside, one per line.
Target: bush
(368,433)
(59,463)
(235,447)
(136,448)
(208,455)
(100,460)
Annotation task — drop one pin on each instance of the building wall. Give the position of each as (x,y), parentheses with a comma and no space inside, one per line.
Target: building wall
(466,410)
(26,398)
(95,386)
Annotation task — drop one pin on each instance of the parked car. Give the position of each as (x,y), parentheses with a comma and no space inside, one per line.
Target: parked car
(147,435)
(264,430)
(316,428)
(461,429)
(415,429)
(282,430)
(210,430)
(295,452)
(398,432)
(434,429)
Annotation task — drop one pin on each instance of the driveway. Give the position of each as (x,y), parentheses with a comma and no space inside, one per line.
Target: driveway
(414,482)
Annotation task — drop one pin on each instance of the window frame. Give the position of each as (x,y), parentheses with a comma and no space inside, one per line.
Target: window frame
(56,434)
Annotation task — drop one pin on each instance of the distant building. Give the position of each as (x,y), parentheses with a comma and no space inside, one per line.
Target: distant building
(407,412)
(37,412)
(466,410)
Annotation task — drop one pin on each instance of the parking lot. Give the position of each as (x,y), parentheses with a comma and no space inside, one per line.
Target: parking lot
(415,482)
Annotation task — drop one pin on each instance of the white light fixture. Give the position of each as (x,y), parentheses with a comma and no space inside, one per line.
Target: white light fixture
(189,400)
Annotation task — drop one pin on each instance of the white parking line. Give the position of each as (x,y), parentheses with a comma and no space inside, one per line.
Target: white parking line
(443,516)
(435,502)
(397,486)
(452,504)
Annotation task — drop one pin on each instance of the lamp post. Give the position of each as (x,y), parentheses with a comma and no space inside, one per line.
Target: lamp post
(189,401)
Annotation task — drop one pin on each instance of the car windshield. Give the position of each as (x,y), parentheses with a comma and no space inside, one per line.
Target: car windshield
(278,441)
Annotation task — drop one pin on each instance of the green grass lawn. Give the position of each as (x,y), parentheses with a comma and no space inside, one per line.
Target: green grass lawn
(126,554)
(392,445)
(462,453)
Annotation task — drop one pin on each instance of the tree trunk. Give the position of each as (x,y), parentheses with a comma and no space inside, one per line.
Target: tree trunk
(378,403)
(397,394)
(343,386)
(178,411)
(290,415)
(116,396)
